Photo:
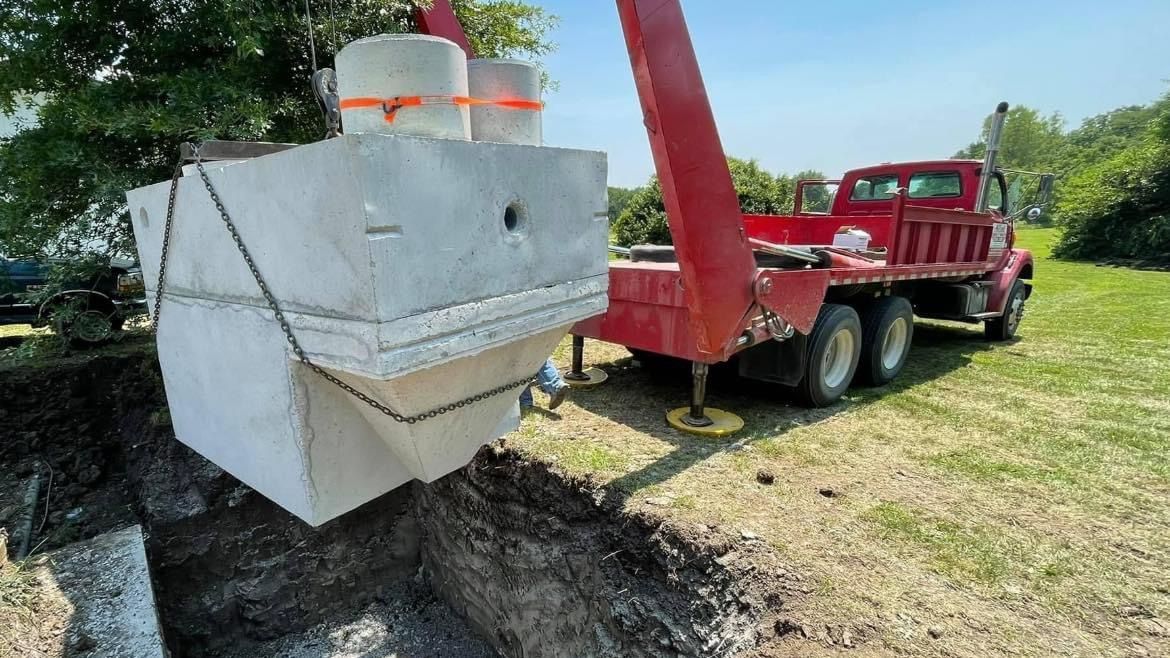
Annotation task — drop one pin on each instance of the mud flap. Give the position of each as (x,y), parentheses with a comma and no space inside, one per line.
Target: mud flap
(777,363)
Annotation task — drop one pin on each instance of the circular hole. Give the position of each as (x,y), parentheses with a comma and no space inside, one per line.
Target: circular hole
(515,218)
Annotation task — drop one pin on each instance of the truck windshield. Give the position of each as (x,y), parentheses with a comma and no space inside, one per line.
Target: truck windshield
(874,188)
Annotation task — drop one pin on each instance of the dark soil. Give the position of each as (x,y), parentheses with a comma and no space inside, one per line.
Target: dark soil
(59,418)
(538,563)
(547,566)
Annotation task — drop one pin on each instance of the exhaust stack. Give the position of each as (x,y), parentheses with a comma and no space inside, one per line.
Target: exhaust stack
(993,137)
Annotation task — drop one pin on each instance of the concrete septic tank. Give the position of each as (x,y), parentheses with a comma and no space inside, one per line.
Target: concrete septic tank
(421,271)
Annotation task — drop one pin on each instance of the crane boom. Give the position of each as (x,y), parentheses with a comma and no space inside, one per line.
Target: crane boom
(702,208)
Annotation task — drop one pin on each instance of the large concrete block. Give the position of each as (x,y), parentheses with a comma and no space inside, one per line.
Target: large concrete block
(420,271)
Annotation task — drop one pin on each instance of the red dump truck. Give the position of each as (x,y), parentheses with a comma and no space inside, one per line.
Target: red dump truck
(811,300)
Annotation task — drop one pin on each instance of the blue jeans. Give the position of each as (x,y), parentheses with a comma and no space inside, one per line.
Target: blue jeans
(549,380)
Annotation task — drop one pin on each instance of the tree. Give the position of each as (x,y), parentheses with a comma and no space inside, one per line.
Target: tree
(1029,140)
(1120,207)
(619,198)
(816,198)
(125,82)
(644,219)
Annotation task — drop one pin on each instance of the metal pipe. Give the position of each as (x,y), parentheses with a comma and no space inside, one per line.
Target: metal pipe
(783,250)
(624,251)
(993,137)
(24,524)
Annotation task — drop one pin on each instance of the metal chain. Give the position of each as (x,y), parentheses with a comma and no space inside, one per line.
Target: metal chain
(284,325)
(166,245)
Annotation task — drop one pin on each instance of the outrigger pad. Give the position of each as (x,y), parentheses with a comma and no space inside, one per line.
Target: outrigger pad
(593,377)
(723,423)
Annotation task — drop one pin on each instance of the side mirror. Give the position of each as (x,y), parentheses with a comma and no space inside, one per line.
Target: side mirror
(1034,213)
(1045,192)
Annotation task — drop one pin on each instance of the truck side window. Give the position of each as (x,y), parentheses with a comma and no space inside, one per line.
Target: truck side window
(934,184)
(874,188)
(995,194)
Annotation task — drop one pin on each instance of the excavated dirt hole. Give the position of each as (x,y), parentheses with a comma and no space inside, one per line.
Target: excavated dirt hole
(537,565)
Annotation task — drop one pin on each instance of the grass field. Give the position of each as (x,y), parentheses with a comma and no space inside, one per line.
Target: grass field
(997,499)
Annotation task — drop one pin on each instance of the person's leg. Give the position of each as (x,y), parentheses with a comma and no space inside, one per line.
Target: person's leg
(549,378)
(552,384)
(526,397)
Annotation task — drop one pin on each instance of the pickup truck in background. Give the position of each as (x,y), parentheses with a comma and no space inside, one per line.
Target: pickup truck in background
(85,311)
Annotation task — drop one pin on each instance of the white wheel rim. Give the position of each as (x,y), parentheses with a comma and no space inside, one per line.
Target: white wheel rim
(1017,311)
(894,343)
(838,359)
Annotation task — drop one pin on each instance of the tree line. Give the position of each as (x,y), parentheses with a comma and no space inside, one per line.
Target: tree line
(1112,196)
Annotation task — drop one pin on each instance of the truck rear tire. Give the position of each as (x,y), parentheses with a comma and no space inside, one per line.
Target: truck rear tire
(834,347)
(887,331)
(1004,327)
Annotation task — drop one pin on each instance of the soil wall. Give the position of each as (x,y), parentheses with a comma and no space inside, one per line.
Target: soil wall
(541,565)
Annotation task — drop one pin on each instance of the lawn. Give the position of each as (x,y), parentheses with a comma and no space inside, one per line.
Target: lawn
(997,499)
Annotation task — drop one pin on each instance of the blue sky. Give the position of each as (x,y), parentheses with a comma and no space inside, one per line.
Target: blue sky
(834,85)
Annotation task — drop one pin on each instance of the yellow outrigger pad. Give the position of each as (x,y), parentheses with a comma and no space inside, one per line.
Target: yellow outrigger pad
(597,377)
(724,423)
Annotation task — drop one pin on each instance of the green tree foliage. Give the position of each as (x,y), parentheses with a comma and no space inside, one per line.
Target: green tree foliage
(644,219)
(1120,207)
(619,198)
(1029,141)
(1112,192)
(125,82)
(817,198)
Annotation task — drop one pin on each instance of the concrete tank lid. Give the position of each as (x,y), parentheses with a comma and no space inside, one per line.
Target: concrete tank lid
(406,36)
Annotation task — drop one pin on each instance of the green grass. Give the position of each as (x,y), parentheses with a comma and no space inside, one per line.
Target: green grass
(9,330)
(1021,486)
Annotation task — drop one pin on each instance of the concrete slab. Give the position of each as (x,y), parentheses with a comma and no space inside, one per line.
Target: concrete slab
(106,580)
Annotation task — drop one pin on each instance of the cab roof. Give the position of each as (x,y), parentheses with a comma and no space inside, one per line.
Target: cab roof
(916,165)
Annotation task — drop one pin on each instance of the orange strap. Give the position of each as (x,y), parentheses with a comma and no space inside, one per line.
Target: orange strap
(390,106)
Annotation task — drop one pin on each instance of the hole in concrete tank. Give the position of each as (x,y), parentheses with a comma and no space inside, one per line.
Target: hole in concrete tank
(516,219)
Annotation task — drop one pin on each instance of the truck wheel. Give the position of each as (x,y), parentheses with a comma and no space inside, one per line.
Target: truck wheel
(84,321)
(834,347)
(1004,327)
(886,332)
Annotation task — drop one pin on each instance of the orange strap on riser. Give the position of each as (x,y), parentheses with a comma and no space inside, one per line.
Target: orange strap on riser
(390,106)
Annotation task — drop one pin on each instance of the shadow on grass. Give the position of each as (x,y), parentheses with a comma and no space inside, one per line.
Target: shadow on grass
(639,398)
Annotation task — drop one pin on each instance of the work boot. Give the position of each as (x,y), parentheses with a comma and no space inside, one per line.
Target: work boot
(557,398)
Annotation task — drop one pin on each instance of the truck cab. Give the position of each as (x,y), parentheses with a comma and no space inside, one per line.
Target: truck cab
(946,184)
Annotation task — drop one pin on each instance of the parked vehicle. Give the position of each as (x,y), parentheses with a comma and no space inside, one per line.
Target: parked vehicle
(812,300)
(86,309)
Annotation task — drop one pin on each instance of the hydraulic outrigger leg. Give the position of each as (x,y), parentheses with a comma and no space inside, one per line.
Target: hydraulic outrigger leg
(579,377)
(698,418)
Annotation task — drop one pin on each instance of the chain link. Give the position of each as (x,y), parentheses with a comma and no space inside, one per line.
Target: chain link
(166,245)
(279,315)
